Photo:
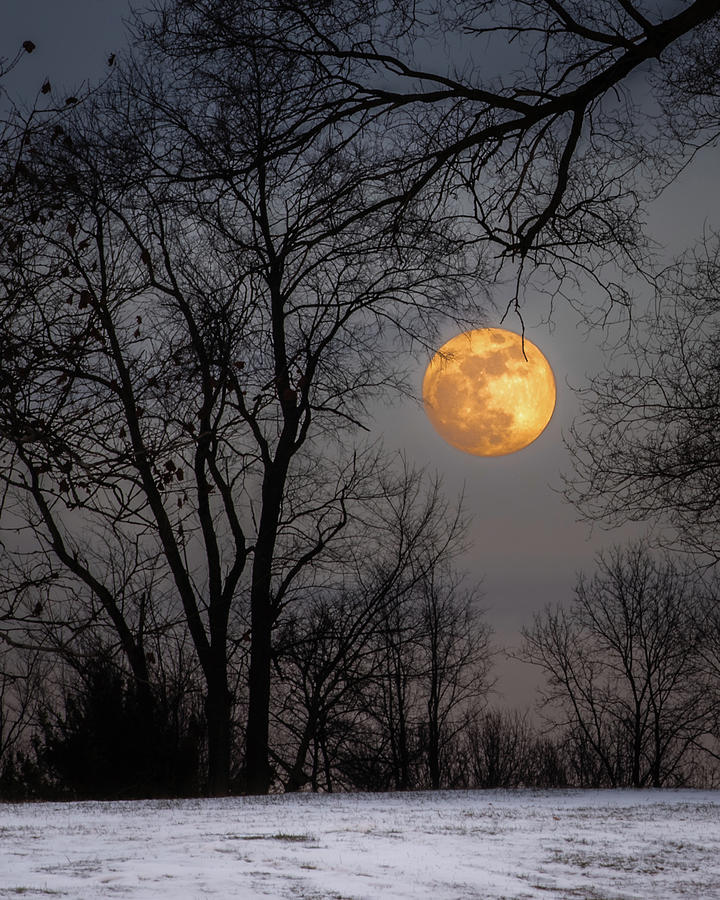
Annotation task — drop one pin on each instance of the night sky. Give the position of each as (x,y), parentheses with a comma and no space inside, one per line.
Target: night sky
(527,544)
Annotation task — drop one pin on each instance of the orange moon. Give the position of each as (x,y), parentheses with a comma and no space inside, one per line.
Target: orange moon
(484,397)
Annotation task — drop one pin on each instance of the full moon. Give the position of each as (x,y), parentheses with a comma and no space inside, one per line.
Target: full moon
(484,396)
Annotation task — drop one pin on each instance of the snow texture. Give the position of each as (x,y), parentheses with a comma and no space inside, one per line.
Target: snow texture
(554,845)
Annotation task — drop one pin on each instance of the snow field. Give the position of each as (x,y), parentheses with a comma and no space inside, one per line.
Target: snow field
(486,845)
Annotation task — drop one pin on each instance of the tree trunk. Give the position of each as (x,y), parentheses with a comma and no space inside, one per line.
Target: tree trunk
(433,730)
(403,751)
(656,768)
(258,772)
(326,761)
(297,777)
(636,749)
(434,758)
(217,713)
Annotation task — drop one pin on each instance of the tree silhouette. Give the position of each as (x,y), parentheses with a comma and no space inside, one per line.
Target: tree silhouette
(644,444)
(625,668)
(339,654)
(219,255)
(550,119)
(190,337)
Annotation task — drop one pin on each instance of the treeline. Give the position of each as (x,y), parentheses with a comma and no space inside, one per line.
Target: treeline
(213,266)
(397,695)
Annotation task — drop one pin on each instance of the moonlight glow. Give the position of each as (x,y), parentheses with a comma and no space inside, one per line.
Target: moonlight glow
(484,397)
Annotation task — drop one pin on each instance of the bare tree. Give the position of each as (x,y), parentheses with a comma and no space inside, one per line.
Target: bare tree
(644,445)
(215,247)
(398,635)
(195,322)
(499,745)
(538,113)
(623,664)
(326,650)
(454,671)
(430,667)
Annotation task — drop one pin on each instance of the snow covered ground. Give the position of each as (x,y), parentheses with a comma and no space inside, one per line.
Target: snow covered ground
(593,845)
